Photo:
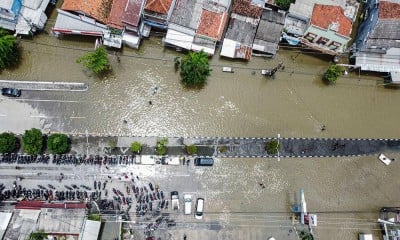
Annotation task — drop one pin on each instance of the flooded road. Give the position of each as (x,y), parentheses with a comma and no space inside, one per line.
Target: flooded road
(295,104)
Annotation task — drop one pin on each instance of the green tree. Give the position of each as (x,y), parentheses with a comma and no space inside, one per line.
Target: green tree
(58,143)
(272,147)
(112,144)
(32,141)
(161,147)
(39,235)
(191,149)
(332,74)
(96,61)
(7,142)
(9,54)
(194,69)
(284,4)
(136,147)
(94,217)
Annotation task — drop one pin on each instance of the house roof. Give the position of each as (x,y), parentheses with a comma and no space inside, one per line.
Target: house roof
(158,6)
(98,9)
(40,204)
(132,12)
(116,13)
(389,10)
(245,8)
(212,24)
(331,17)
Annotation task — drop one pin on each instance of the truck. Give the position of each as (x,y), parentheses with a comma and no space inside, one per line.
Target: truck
(175,200)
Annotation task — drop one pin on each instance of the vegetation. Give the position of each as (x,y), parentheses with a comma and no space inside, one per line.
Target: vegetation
(332,74)
(222,149)
(32,141)
(194,69)
(305,236)
(94,217)
(112,144)
(191,149)
(39,235)
(9,54)
(272,147)
(136,147)
(284,4)
(161,147)
(58,143)
(96,61)
(7,142)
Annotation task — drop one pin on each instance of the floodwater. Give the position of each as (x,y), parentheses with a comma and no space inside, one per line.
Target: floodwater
(294,104)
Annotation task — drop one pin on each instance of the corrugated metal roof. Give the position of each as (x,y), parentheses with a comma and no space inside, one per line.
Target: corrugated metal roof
(91,230)
(66,20)
(179,39)
(376,62)
(4,221)
(133,11)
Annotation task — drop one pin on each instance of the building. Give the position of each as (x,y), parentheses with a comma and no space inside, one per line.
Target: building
(23,16)
(197,25)
(328,30)
(241,29)
(269,32)
(87,17)
(379,51)
(5,218)
(157,13)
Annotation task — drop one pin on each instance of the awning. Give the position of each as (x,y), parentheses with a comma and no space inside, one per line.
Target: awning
(179,39)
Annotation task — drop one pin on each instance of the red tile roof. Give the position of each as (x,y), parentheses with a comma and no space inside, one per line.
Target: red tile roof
(389,10)
(116,14)
(133,12)
(245,8)
(36,205)
(212,24)
(158,6)
(324,16)
(98,9)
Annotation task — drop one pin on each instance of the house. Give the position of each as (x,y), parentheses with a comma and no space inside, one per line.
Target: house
(197,25)
(241,29)
(23,16)
(87,17)
(328,30)
(157,13)
(379,50)
(126,16)
(269,32)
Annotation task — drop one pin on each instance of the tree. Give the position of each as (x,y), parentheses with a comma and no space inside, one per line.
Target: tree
(284,4)
(58,143)
(191,149)
(39,235)
(332,74)
(94,217)
(96,61)
(161,147)
(32,141)
(136,147)
(194,69)
(272,147)
(7,142)
(9,54)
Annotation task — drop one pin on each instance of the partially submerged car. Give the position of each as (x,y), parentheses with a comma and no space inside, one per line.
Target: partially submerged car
(11,92)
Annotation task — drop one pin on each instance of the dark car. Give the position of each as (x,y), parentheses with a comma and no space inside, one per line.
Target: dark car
(203,161)
(10,92)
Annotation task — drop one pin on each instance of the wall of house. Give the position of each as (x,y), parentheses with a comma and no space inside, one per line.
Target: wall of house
(332,36)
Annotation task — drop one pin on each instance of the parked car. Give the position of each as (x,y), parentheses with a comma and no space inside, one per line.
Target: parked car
(188,203)
(199,208)
(175,200)
(11,92)
(204,161)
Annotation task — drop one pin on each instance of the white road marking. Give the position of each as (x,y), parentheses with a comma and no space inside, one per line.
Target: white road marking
(49,100)
(76,117)
(3,115)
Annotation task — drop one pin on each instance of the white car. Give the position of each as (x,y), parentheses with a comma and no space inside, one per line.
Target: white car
(188,203)
(199,208)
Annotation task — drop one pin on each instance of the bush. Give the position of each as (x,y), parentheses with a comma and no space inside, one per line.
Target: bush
(136,147)
(96,61)
(7,142)
(284,4)
(332,74)
(94,217)
(191,149)
(32,141)
(39,235)
(58,143)
(161,148)
(272,147)
(112,144)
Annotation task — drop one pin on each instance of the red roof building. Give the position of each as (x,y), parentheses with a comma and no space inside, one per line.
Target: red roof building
(37,205)
(331,17)
(158,6)
(212,24)
(98,9)
(117,13)
(389,10)
(125,12)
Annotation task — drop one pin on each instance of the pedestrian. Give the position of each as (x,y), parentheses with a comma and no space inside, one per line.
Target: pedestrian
(150,102)
(323,128)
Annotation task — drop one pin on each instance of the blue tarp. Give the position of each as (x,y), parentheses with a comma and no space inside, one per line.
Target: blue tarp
(16,7)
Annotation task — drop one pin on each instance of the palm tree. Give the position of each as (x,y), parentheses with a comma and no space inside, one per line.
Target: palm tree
(194,69)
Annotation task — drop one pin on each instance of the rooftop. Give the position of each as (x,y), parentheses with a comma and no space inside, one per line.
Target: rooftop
(132,12)
(331,17)
(241,30)
(389,10)
(385,34)
(158,6)
(269,30)
(246,8)
(116,13)
(187,13)
(212,24)
(40,204)
(98,9)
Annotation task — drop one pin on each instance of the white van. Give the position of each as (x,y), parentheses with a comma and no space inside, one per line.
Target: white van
(199,208)
(188,203)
